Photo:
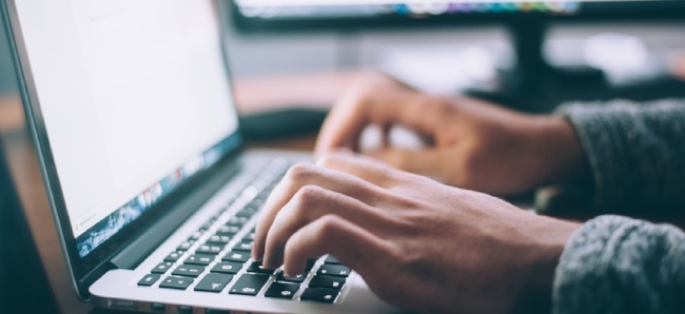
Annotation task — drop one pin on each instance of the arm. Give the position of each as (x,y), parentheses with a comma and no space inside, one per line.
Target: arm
(619,265)
(635,152)
(432,248)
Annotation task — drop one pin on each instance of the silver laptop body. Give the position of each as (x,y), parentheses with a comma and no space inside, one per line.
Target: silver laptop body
(153,195)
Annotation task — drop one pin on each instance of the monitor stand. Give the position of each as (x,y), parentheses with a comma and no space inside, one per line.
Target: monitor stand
(534,85)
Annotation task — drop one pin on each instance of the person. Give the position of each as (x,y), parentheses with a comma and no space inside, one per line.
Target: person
(424,231)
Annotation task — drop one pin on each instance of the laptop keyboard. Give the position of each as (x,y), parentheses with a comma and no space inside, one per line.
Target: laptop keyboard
(216,258)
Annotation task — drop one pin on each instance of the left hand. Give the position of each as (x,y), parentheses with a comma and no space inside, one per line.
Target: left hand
(417,243)
(471,144)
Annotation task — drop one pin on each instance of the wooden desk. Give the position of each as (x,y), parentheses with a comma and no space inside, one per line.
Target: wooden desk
(307,90)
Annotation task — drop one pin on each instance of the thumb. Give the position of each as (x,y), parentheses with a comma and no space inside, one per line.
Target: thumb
(427,162)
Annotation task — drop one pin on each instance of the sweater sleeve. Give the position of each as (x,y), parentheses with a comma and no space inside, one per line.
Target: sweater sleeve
(636,152)
(617,265)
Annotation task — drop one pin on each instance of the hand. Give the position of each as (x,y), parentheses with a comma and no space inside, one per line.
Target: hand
(472,144)
(417,243)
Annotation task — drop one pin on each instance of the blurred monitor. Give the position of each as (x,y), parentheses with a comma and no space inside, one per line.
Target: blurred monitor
(530,84)
(278,15)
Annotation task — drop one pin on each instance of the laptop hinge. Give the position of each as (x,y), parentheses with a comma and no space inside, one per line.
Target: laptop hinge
(150,239)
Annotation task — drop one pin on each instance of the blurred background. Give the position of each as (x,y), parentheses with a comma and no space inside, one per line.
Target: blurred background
(430,53)
(565,50)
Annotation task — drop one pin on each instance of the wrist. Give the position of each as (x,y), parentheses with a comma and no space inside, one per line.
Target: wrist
(559,147)
(550,238)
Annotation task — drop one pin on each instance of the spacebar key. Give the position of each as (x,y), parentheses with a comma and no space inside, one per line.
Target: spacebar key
(249,284)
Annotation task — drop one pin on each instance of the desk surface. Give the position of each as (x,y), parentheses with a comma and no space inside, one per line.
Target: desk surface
(291,90)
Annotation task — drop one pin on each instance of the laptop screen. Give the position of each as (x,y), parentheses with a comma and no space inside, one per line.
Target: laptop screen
(135,99)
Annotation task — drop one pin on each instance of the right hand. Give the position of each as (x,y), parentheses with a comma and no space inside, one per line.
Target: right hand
(418,244)
(473,144)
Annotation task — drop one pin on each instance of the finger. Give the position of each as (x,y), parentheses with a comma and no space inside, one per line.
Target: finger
(368,169)
(352,114)
(352,245)
(309,204)
(304,175)
(343,125)
(427,162)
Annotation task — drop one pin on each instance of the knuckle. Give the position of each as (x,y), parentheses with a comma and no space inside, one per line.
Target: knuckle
(329,159)
(308,195)
(299,172)
(441,107)
(327,226)
(354,98)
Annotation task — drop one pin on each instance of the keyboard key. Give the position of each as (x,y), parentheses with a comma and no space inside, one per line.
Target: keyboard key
(261,197)
(227,268)
(173,257)
(256,267)
(161,268)
(183,309)
(180,283)
(249,237)
(218,240)
(242,246)
(209,249)
(207,225)
(239,257)
(195,236)
(332,260)
(297,278)
(158,307)
(235,224)
(200,259)
(215,311)
(252,208)
(334,270)
(236,221)
(310,264)
(227,231)
(188,270)
(330,282)
(245,213)
(282,290)
(213,282)
(185,246)
(148,280)
(320,295)
(249,284)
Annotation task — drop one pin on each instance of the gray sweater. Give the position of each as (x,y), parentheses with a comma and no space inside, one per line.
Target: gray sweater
(615,264)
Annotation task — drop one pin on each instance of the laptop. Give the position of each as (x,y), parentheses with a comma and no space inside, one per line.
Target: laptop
(154,197)
(24,287)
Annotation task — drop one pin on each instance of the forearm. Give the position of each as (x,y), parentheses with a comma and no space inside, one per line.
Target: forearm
(619,265)
(634,151)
